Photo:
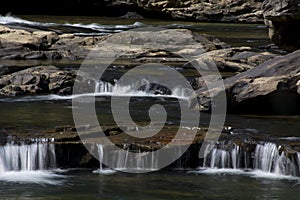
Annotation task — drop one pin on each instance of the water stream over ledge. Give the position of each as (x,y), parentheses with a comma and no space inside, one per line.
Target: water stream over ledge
(262,170)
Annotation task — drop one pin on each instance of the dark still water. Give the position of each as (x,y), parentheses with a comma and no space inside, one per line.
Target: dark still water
(77,184)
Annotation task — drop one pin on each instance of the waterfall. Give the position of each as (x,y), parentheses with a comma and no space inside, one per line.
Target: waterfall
(103,87)
(141,162)
(101,170)
(269,159)
(148,90)
(27,157)
(100,154)
(266,158)
(219,158)
(121,160)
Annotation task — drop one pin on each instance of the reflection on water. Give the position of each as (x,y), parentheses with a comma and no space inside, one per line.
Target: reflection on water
(167,185)
(59,113)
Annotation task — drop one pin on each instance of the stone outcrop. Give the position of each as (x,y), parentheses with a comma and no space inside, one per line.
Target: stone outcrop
(195,10)
(22,44)
(208,10)
(144,45)
(37,80)
(283,17)
(272,87)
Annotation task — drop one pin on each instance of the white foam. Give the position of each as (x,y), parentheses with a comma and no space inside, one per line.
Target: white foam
(104,171)
(11,19)
(53,97)
(35,177)
(268,175)
(8,19)
(213,171)
(253,174)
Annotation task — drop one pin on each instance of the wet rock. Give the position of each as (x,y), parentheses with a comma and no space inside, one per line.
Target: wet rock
(32,40)
(282,16)
(272,87)
(209,10)
(22,44)
(37,80)
(183,43)
(196,10)
(236,59)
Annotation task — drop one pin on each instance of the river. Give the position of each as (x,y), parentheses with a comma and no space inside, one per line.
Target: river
(34,113)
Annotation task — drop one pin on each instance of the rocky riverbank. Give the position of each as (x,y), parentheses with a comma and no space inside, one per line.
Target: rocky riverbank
(260,88)
(280,16)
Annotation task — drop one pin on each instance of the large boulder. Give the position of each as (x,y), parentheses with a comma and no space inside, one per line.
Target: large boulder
(37,40)
(37,80)
(17,43)
(283,17)
(272,87)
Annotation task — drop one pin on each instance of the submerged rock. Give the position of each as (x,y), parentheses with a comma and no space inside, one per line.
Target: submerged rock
(283,17)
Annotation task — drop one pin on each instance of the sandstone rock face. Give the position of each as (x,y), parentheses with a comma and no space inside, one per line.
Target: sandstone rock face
(22,44)
(208,10)
(272,87)
(283,17)
(35,40)
(195,10)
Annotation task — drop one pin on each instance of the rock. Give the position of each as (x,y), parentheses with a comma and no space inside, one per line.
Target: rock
(36,40)
(272,87)
(282,16)
(37,80)
(195,10)
(22,44)
(132,15)
(236,59)
(183,43)
(208,10)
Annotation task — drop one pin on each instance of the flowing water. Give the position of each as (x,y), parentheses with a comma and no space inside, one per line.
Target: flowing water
(28,170)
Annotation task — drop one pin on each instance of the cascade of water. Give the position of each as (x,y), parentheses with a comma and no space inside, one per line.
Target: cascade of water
(106,88)
(103,87)
(101,170)
(266,158)
(219,158)
(122,161)
(100,154)
(269,159)
(27,157)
